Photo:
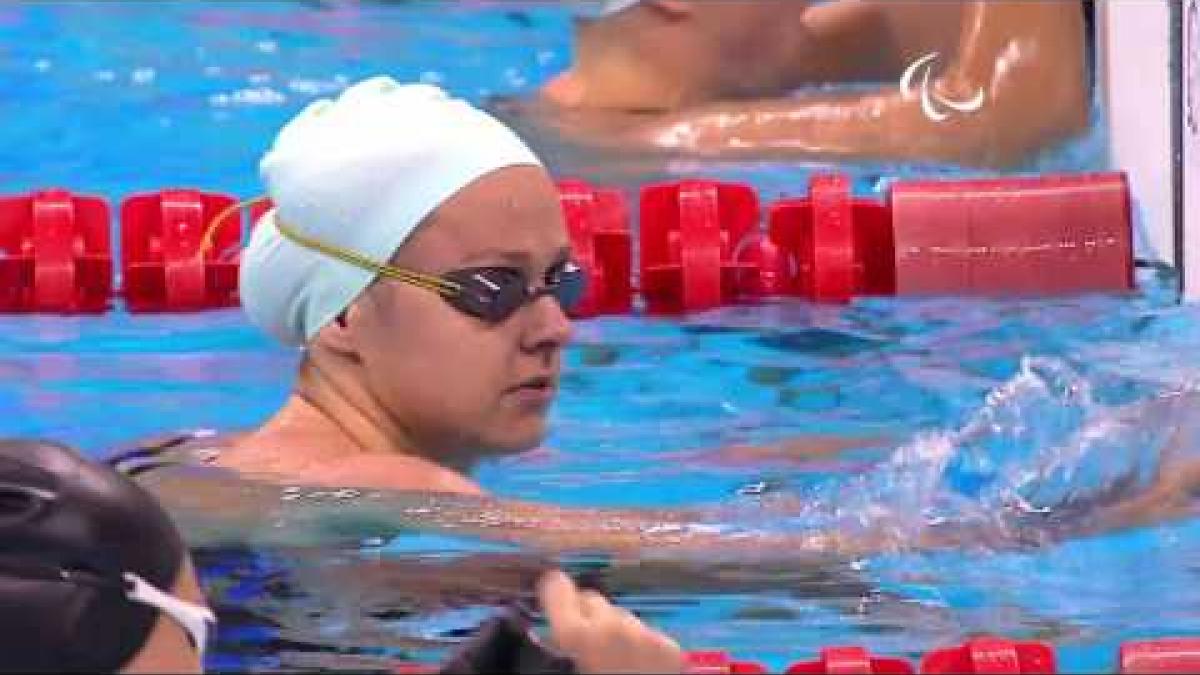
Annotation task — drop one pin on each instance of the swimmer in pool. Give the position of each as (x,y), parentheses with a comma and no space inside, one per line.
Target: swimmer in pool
(1006,79)
(93,575)
(417,256)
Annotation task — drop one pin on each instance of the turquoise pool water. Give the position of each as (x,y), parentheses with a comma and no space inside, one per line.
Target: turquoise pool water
(116,98)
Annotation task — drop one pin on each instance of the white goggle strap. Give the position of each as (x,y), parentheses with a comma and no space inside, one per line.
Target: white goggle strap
(195,619)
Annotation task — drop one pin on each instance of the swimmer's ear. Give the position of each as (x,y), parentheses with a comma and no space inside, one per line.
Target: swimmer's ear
(673,9)
(336,335)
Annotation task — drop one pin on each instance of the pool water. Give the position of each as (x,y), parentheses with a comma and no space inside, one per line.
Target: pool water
(987,399)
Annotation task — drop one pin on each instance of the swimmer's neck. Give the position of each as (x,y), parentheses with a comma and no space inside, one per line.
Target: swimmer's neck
(347,421)
(301,445)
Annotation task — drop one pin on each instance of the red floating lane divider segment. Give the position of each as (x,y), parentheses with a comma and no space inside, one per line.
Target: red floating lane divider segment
(1167,655)
(55,253)
(598,224)
(848,661)
(690,231)
(989,654)
(702,244)
(836,246)
(162,265)
(985,654)
(719,663)
(1030,236)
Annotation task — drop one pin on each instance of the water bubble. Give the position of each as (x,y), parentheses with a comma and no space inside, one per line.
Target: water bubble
(753,489)
(258,96)
(144,75)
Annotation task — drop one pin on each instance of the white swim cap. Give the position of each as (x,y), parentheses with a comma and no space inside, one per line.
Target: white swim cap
(360,173)
(602,8)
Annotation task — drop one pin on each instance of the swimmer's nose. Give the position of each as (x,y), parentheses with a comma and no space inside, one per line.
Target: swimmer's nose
(549,327)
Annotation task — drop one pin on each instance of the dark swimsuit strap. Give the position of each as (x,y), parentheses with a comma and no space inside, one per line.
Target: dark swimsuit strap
(148,450)
(149,455)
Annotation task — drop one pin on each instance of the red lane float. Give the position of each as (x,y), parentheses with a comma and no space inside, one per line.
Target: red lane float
(719,663)
(696,663)
(1168,655)
(976,655)
(1044,235)
(991,655)
(415,668)
(55,253)
(598,224)
(700,246)
(837,246)
(847,660)
(162,266)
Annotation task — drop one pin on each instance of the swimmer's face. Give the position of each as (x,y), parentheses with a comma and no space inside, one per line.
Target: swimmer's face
(452,382)
(168,649)
(666,54)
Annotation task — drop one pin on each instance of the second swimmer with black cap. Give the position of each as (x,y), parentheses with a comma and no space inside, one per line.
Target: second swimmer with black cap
(93,575)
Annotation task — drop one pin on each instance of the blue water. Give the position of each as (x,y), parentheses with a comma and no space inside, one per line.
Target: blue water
(117,98)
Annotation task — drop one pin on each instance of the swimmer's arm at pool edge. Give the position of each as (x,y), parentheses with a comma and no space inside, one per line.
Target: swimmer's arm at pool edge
(239,511)
(1034,84)
(220,505)
(217,507)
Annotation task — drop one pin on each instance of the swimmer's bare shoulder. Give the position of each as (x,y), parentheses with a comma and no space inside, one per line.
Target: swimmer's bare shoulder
(301,458)
(223,489)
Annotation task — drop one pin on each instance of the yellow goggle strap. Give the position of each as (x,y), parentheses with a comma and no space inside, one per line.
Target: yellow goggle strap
(432,283)
(214,225)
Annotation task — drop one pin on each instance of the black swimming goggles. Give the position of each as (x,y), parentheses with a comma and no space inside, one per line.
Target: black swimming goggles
(491,294)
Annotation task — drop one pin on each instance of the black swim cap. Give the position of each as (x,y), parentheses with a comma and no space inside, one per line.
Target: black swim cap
(69,530)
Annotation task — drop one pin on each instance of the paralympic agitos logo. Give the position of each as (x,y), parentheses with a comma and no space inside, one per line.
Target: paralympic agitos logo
(935,106)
